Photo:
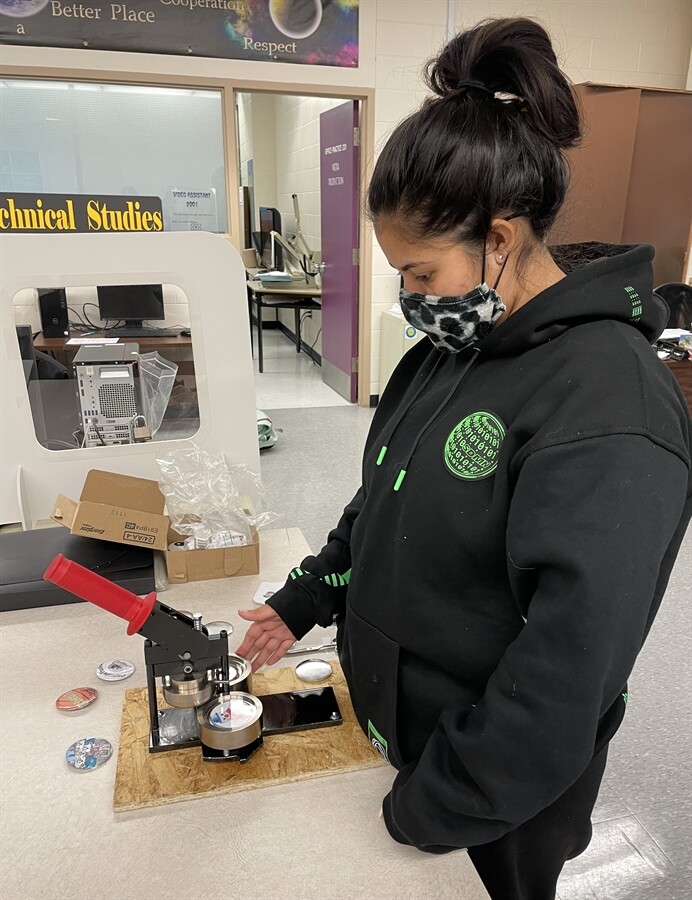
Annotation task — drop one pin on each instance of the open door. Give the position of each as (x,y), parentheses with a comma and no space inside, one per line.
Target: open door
(339,168)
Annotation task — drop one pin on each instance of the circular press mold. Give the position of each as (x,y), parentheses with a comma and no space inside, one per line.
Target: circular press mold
(230,721)
(186,691)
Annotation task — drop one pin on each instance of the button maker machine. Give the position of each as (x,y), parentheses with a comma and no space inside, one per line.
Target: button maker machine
(207,689)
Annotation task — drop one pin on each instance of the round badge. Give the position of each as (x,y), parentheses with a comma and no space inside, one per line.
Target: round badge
(473,447)
(115,670)
(76,699)
(89,753)
(313,670)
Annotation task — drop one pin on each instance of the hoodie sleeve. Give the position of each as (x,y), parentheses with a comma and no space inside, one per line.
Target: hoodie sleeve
(315,591)
(591,536)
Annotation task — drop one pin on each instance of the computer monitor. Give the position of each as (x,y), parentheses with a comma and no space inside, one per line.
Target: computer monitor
(134,303)
(270,220)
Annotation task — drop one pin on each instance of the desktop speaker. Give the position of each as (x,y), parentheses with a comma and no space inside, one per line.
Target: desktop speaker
(52,303)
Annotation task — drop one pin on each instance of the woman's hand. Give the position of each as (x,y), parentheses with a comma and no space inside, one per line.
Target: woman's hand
(267,639)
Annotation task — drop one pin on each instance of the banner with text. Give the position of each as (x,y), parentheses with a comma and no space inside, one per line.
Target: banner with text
(313,32)
(65,213)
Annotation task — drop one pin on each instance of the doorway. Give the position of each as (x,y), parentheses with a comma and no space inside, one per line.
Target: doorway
(290,167)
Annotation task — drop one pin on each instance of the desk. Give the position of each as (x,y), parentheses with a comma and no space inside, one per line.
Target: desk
(60,347)
(287,295)
(313,839)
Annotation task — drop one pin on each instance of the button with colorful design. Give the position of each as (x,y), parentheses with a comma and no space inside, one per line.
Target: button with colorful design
(77,698)
(89,753)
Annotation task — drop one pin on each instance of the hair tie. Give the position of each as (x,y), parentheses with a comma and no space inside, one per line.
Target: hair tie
(477,85)
(502,96)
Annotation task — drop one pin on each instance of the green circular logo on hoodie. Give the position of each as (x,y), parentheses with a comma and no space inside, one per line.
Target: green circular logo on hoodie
(472,448)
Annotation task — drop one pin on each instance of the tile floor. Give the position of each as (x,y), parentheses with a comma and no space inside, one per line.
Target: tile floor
(642,844)
(289,379)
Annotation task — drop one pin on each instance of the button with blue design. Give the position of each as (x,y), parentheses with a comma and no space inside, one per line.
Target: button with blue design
(89,753)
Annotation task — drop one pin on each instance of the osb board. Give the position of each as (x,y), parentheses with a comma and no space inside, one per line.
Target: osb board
(151,779)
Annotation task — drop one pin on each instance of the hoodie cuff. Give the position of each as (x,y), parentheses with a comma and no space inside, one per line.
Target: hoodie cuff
(295,606)
(392,827)
(390,823)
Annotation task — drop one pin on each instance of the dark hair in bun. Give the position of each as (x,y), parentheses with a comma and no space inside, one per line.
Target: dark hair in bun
(490,143)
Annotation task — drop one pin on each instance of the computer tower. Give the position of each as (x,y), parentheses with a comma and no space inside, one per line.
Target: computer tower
(108,392)
(52,304)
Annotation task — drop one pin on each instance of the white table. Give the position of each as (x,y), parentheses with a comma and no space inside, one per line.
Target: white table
(60,838)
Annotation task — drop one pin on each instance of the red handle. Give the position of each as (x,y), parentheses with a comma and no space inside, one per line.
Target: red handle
(98,590)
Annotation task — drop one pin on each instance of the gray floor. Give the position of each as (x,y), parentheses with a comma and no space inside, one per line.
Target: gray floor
(643,820)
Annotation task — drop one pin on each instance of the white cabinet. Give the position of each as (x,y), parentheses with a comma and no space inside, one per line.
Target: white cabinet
(396,337)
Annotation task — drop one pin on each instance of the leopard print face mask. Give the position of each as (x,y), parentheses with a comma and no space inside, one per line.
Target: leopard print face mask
(453,323)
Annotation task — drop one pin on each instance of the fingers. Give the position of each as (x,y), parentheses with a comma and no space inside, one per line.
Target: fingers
(267,639)
(279,653)
(261,614)
(263,619)
(258,637)
(263,656)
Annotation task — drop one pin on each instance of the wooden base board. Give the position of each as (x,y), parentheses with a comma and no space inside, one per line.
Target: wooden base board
(150,779)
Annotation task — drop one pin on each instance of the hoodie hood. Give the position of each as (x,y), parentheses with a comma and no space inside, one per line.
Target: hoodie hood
(616,286)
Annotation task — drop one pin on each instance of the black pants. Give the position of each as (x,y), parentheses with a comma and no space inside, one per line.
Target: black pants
(526,863)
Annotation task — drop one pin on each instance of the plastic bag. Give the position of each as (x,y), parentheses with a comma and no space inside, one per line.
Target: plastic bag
(210,502)
(156,376)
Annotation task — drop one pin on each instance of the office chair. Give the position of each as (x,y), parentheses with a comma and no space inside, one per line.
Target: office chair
(678,298)
(47,367)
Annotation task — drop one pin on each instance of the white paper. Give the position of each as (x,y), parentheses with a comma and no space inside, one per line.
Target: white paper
(672,334)
(266,589)
(93,340)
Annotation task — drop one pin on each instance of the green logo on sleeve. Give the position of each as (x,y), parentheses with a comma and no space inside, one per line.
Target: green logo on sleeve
(378,742)
(472,448)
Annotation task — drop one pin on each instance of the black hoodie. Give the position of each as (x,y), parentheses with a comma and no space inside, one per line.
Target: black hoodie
(492,601)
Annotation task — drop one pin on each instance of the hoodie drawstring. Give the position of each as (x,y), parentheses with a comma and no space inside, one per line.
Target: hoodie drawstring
(397,421)
(433,417)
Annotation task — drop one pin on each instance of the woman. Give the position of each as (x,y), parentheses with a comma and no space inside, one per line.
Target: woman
(524,483)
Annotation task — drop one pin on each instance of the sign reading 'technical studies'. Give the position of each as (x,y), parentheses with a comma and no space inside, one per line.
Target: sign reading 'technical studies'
(77,213)
(312,32)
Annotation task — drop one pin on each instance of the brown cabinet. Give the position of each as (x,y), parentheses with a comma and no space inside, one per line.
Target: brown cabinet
(632,174)
(683,374)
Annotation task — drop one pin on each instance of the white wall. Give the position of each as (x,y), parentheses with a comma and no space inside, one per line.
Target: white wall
(639,42)
(264,140)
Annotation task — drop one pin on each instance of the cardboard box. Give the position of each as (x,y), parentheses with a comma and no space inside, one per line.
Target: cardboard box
(201,565)
(116,508)
(129,511)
